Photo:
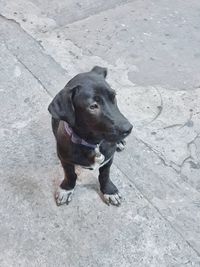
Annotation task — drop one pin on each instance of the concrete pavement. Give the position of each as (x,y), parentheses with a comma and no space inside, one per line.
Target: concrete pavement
(151,50)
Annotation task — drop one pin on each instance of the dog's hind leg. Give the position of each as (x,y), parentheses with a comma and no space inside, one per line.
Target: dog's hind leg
(66,189)
(109,190)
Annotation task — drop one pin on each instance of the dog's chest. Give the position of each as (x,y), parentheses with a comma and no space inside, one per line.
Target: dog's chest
(96,161)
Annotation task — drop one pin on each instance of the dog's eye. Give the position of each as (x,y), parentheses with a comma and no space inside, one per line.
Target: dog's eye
(94,106)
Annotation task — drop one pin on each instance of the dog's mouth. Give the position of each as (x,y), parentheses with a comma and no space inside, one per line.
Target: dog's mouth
(114,137)
(118,133)
(109,134)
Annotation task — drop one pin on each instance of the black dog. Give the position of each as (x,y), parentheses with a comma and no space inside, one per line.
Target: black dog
(88,126)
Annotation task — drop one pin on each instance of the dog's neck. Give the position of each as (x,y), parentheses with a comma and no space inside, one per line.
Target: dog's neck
(77,138)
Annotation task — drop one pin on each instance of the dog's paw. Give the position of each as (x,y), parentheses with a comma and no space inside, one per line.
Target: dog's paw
(63,196)
(114,199)
(121,146)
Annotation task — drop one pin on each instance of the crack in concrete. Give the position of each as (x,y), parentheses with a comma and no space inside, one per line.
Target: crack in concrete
(159,212)
(179,124)
(193,140)
(160,156)
(160,107)
(95,14)
(46,90)
(9,20)
(172,126)
(38,42)
(189,150)
(189,120)
(19,25)
(24,65)
(174,166)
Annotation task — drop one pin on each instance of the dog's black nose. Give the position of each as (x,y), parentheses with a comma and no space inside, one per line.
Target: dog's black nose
(126,129)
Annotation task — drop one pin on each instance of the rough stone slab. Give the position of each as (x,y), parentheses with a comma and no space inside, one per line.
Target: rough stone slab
(142,45)
(161,40)
(64,12)
(20,93)
(36,232)
(191,168)
(160,116)
(30,53)
(168,122)
(22,101)
(86,232)
(57,12)
(175,199)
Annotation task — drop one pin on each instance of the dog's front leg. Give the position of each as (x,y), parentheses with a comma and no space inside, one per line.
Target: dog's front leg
(109,190)
(66,189)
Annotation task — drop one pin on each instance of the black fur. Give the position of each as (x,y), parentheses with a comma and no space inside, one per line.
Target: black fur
(88,105)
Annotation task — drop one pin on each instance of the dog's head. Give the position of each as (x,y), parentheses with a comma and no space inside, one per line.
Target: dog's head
(89,105)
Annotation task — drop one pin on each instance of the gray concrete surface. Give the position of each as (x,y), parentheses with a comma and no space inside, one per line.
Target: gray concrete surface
(151,49)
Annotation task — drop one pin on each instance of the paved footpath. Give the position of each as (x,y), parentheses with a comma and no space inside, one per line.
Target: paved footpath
(151,50)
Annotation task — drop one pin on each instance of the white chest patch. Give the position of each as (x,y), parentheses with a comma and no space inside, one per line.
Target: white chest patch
(98,160)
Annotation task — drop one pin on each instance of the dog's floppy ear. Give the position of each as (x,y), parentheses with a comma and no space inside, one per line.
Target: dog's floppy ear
(62,108)
(100,71)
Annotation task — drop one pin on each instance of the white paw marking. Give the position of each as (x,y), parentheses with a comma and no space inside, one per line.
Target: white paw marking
(114,199)
(63,196)
(121,145)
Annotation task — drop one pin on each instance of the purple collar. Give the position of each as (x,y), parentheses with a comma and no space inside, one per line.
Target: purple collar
(75,138)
